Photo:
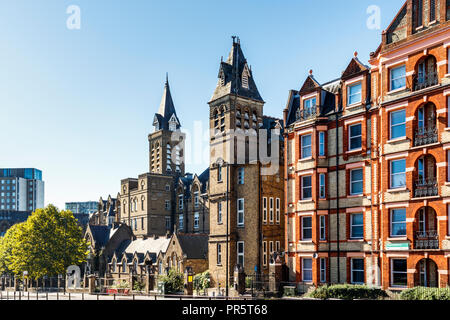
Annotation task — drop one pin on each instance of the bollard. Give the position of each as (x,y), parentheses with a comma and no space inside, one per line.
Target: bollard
(69,296)
(46,296)
(57,295)
(28,295)
(114,296)
(82,296)
(37,294)
(20,298)
(133,296)
(97,297)
(14,295)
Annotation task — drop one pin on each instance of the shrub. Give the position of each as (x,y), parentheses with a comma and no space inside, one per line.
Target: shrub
(202,281)
(173,282)
(121,284)
(423,293)
(139,285)
(347,292)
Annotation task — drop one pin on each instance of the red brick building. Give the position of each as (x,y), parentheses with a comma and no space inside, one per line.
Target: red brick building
(368,179)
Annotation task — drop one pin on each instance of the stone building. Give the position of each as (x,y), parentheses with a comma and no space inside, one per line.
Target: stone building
(148,204)
(367,163)
(241,192)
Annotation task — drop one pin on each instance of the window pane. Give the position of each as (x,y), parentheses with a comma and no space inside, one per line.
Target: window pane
(398,79)
(354,93)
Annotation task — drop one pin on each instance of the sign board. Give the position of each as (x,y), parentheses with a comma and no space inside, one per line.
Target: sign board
(397,246)
(189,278)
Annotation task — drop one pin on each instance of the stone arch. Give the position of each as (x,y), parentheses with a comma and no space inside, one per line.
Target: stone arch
(426,274)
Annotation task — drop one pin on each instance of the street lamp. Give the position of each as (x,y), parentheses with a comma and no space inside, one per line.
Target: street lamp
(220,162)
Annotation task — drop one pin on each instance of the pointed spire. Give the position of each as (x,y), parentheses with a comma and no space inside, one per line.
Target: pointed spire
(166,108)
(232,71)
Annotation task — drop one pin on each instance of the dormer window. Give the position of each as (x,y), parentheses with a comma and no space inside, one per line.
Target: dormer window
(432,10)
(245,75)
(309,105)
(417,13)
(354,93)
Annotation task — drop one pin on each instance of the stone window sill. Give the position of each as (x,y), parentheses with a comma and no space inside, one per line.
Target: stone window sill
(354,105)
(397,90)
(305,159)
(397,239)
(354,151)
(401,139)
(397,190)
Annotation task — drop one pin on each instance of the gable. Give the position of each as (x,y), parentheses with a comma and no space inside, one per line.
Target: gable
(353,69)
(309,85)
(398,28)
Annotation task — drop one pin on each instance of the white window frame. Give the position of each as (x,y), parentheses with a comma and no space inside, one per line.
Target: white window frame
(349,87)
(277,246)
(271,210)
(304,269)
(181,221)
(392,273)
(322,227)
(356,181)
(399,173)
(391,223)
(303,146)
(356,225)
(355,137)
(309,228)
(241,176)
(219,254)
(398,124)
(264,209)
(321,143)
(180,202)
(196,220)
(277,210)
(322,186)
(323,269)
(239,254)
(308,103)
(310,187)
(391,79)
(264,253)
(357,270)
(219,212)
(196,199)
(241,213)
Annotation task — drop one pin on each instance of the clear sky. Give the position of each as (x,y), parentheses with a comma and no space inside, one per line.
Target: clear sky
(79,104)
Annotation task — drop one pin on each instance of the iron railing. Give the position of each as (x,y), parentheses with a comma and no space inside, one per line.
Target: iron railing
(428,80)
(307,113)
(426,188)
(425,136)
(426,240)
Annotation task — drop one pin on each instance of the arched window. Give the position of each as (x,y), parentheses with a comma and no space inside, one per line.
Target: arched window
(142,203)
(135,265)
(114,265)
(124,266)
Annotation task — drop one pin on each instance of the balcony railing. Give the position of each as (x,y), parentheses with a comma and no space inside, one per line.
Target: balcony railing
(425,136)
(426,240)
(306,114)
(428,80)
(426,188)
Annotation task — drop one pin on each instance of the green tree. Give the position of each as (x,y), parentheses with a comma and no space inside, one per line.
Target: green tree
(6,246)
(49,241)
(173,281)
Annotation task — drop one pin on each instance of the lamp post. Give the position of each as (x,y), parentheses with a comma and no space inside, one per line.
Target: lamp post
(220,162)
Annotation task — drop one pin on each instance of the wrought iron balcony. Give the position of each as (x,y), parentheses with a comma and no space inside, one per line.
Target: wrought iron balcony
(428,80)
(426,188)
(425,136)
(426,240)
(306,114)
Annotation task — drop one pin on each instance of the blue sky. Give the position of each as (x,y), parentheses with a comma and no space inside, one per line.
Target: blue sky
(79,104)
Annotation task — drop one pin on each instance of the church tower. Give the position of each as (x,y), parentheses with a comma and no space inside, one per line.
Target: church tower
(236,115)
(166,143)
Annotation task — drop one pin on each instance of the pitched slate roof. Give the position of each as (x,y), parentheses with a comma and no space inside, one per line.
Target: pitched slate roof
(100,235)
(195,246)
(231,72)
(166,110)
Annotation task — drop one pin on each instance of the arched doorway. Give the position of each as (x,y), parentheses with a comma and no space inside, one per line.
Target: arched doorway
(427,274)
(425,177)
